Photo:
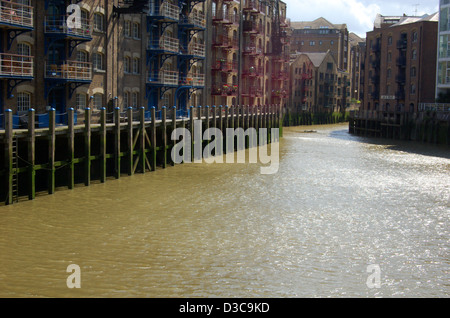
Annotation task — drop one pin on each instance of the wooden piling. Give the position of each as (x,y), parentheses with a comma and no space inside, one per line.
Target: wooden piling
(220,118)
(103,159)
(164,136)
(9,132)
(174,127)
(130,142)
(153,138)
(71,148)
(191,127)
(143,139)
(87,147)
(31,155)
(117,142)
(51,150)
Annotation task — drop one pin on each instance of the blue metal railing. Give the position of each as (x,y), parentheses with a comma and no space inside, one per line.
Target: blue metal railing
(42,120)
(61,119)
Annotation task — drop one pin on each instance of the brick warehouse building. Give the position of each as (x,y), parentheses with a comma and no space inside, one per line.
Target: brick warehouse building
(123,57)
(318,85)
(321,36)
(249,53)
(400,67)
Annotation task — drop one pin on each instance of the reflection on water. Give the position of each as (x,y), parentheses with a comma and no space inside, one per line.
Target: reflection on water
(338,204)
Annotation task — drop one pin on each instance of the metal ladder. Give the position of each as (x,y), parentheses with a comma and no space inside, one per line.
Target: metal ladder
(15,162)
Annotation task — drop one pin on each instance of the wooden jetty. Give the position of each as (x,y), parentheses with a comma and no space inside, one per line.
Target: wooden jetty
(425,126)
(106,145)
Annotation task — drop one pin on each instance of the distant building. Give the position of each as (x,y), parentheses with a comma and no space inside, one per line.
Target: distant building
(248,52)
(321,35)
(400,66)
(443,64)
(357,54)
(318,85)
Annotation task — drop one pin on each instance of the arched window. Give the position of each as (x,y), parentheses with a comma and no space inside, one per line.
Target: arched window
(24,49)
(127,64)
(135,100)
(98,63)
(126,100)
(99,22)
(136,30)
(84,20)
(82,56)
(23,101)
(98,101)
(81,101)
(127,29)
(136,65)
(167,99)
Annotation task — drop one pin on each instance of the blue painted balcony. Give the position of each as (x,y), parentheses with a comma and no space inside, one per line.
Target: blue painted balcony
(69,71)
(164,12)
(57,26)
(16,66)
(15,15)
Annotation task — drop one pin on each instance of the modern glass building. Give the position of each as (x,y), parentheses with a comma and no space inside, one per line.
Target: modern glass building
(443,64)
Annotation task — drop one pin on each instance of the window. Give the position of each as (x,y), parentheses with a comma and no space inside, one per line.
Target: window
(413,89)
(389,73)
(329,67)
(126,100)
(312,43)
(81,101)
(389,57)
(23,102)
(127,29)
(413,72)
(135,100)
(85,20)
(414,54)
(414,37)
(23,49)
(166,99)
(99,23)
(390,40)
(82,56)
(136,30)
(136,65)
(98,101)
(98,62)
(127,65)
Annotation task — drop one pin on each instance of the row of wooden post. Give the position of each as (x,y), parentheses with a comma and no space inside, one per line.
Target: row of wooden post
(225,117)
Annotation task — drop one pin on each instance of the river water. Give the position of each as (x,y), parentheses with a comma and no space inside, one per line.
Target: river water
(339,206)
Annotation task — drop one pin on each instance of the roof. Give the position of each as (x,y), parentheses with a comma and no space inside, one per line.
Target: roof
(403,20)
(354,39)
(315,58)
(317,24)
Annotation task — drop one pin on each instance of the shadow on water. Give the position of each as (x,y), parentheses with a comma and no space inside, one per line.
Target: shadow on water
(415,147)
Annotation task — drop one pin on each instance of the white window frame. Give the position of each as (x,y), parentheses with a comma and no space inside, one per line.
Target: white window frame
(23,101)
(81,101)
(99,22)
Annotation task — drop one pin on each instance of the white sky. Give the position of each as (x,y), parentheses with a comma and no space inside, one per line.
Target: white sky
(359,15)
